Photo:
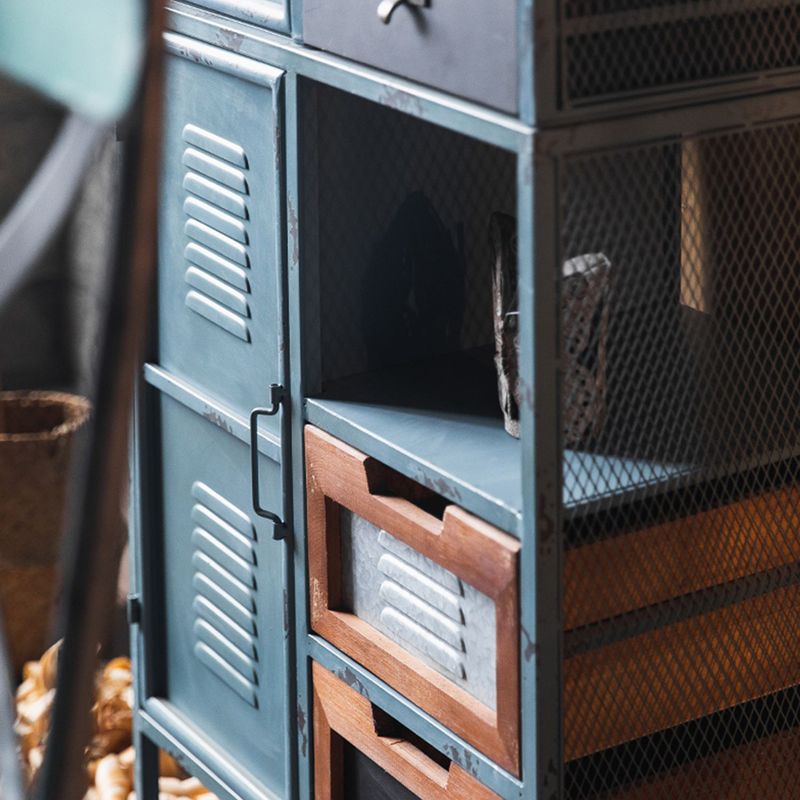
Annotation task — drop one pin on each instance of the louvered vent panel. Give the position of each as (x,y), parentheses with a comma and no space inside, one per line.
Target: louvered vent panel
(217,253)
(223,559)
(419,604)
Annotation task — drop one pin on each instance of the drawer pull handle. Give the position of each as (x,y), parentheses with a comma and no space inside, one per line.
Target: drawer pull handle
(388,7)
(276,397)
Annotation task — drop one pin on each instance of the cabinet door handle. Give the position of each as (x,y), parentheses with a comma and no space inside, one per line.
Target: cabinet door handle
(388,7)
(276,397)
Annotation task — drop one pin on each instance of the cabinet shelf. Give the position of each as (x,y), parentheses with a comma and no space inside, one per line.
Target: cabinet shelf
(437,422)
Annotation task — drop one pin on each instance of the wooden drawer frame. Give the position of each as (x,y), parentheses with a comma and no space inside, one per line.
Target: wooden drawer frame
(342,713)
(340,476)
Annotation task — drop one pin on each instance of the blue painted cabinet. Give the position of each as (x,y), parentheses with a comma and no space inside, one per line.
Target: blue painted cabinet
(220,308)
(222,588)
(212,646)
(604,606)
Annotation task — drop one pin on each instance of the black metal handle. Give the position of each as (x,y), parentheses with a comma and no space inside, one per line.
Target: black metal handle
(276,396)
(388,7)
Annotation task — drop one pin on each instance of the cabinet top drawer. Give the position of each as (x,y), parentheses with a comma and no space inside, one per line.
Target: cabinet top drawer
(467,47)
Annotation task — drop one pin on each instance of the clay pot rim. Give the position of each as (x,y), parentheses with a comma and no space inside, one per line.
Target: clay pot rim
(77,410)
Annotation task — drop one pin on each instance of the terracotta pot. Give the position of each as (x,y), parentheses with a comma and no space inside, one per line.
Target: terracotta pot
(36,435)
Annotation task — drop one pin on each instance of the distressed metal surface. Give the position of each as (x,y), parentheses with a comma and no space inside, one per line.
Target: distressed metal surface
(502,130)
(220,295)
(222,666)
(441,619)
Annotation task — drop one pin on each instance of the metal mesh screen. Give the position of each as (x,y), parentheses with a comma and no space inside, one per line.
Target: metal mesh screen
(681,506)
(612,48)
(394,194)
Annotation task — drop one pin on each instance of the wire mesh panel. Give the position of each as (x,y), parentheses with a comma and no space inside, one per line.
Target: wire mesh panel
(681,505)
(612,49)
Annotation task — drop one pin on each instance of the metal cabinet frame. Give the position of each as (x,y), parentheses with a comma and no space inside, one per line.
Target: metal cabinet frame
(206,36)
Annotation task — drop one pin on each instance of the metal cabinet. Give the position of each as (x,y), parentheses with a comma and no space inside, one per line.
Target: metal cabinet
(220,285)
(211,640)
(591,610)
(220,583)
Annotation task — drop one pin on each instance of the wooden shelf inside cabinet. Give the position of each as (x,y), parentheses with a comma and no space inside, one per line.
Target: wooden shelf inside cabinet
(439,423)
(746,772)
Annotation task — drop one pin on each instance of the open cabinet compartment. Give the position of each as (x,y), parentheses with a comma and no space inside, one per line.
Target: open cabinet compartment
(396,223)
(681,511)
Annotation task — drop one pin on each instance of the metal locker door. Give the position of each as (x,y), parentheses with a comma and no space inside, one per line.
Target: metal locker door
(220,255)
(215,605)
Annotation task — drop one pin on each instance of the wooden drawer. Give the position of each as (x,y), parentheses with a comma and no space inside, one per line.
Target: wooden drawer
(426,601)
(467,47)
(361,753)
(648,566)
(685,671)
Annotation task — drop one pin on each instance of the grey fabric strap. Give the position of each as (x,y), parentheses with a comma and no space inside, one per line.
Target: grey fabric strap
(42,207)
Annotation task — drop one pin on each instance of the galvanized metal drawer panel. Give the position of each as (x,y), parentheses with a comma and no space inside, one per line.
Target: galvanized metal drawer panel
(220,272)
(419,604)
(467,47)
(223,666)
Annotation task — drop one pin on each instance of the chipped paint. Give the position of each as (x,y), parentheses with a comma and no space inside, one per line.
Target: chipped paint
(301,730)
(529,649)
(402,101)
(230,39)
(293,232)
(215,418)
(545,523)
(353,681)
(439,485)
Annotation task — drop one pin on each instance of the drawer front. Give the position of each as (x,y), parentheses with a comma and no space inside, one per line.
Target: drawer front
(220,291)
(361,753)
(466,47)
(427,602)
(222,667)
(631,571)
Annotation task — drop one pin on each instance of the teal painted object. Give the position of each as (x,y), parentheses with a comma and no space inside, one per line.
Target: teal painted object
(84,54)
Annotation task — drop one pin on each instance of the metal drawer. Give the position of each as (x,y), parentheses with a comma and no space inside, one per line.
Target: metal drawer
(467,47)
(272,14)
(220,301)
(361,753)
(426,598)
(218,596)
